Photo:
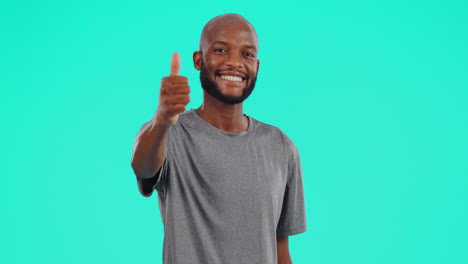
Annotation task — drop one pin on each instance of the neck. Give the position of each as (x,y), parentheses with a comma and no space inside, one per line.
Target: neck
(229,118)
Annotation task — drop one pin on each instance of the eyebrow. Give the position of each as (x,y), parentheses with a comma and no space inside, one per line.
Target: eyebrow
(225,43)
(220,42)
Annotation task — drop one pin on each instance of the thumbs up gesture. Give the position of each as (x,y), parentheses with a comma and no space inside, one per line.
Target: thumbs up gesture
(174,95)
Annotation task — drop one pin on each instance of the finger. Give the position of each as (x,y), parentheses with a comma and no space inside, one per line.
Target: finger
(175,64)
(175,80)
(178,99)
(180,89)
(177,109)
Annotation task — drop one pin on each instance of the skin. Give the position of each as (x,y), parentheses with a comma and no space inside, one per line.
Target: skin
(282,250)
(228,45)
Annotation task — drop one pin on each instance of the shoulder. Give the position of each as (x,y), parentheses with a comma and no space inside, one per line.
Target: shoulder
(187,115)
(280,137)
(263,129)
(186,119)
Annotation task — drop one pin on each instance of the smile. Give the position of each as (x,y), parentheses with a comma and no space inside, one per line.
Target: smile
(231,78)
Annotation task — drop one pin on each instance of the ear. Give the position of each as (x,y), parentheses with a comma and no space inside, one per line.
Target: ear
(258,65)
(197,57)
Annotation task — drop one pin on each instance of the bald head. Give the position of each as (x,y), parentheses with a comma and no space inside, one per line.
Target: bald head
(218,26)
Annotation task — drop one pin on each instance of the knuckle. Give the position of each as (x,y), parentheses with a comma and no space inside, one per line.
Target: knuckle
(170,89)
(164,80)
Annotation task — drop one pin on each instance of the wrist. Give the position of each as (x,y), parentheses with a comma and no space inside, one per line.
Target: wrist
(161,122)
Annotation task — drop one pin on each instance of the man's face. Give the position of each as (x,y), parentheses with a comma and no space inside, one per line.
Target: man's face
(228,62)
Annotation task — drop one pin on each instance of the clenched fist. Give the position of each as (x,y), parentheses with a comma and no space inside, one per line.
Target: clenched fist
(174,95)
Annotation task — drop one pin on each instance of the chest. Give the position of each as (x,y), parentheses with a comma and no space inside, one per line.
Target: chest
(229,171)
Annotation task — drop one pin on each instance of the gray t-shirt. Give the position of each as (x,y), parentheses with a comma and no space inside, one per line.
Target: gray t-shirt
(225,197)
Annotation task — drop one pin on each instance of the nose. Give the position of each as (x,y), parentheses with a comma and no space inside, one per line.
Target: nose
(234,60)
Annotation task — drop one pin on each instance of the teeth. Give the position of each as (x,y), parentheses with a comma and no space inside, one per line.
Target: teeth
(231,78)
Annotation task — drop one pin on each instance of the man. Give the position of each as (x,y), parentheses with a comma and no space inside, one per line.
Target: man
(229,186)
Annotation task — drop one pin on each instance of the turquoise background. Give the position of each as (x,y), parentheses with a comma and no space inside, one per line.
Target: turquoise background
(373,93)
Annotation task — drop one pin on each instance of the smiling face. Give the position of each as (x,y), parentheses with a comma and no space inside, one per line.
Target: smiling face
(227,59)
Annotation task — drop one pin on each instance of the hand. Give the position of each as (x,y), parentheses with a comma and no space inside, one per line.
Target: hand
(174,95)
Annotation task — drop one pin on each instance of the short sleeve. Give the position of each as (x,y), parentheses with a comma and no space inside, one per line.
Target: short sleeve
(160,185)
(293,218)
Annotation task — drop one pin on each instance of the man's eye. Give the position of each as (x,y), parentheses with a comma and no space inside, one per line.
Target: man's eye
(248,54)
(220,50)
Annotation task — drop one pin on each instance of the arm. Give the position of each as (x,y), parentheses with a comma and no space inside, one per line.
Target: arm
(149,153)
(282,245)
(150,149)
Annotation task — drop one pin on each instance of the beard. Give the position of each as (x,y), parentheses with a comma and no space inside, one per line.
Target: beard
(211,88)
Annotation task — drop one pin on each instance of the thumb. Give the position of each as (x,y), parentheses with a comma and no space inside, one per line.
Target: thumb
(175,64)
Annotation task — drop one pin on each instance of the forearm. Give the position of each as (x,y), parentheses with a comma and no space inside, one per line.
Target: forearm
(149,150)
(282,246)
(284,259)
